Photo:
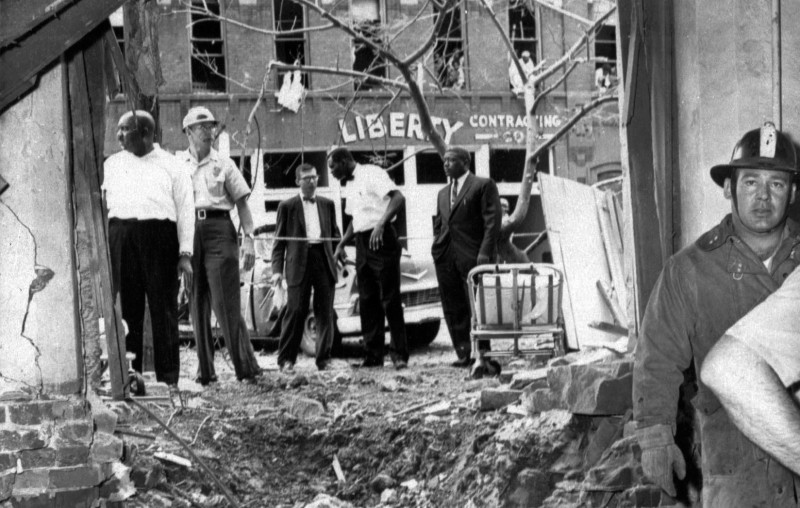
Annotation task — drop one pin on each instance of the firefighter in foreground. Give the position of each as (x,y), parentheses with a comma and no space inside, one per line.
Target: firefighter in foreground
(703,290)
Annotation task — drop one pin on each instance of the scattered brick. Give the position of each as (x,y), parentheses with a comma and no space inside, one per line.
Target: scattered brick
(105,420)
(80,498)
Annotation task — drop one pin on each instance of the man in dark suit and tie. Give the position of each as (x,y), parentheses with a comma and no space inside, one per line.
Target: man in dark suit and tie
(466,229)
(306,264)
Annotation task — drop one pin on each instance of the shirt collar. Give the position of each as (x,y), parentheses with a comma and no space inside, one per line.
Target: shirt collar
(314,196)
(461,179)
(213,156)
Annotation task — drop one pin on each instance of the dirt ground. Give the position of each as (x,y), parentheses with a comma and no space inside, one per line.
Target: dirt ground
(399,438)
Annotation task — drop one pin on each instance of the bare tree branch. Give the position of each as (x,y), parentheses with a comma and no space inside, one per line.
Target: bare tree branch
(568,56)
(191,9)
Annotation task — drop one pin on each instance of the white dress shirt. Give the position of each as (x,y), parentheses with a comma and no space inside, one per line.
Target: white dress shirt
(155,186)
(367,196)
(311,214)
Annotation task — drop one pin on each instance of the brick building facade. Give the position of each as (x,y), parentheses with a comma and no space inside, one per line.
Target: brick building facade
(473,106)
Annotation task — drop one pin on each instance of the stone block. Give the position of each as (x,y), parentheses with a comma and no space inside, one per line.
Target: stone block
(80,498)
(75,477)
(31,482)
(495,398)
(601,439)
(43,457)
(21,439)
(531,488)
(595,388)
(618,469)
(8,460)
(77,431)
(106,448)
(540,400)
(72,455)
(537,378)
(30,413)
(7,480)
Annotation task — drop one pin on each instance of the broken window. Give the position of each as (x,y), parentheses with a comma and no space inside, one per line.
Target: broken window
(522,28)
(208,51)
(290,47)
(605,53)
(279,168)
(523,34)
(508,165)
(367,22)
(430,167)
(448,51)
(117,21)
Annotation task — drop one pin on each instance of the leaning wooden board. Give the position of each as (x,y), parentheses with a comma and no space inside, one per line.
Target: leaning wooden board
(576,241)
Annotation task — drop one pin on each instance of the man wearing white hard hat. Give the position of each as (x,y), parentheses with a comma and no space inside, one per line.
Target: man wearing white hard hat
(218,186)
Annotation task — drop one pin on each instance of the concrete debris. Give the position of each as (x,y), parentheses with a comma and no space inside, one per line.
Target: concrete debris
(389,496)
(594,389)
(496,398)
(382,482)
(326,501)
(523,379)
(305,409)
(440,409)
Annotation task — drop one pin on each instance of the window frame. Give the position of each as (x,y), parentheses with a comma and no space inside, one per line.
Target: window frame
(463,45)
(305,40)
(223,54)
(537,21)
(380,24)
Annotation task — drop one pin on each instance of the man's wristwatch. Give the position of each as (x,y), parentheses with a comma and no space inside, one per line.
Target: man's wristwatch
(185,253)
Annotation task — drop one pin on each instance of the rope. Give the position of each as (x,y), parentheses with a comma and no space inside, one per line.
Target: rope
(336,239)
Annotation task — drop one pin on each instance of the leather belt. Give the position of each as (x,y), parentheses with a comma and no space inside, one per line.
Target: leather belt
(203,214)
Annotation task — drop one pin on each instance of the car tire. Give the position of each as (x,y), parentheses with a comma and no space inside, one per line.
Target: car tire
(308,343)
(422,334)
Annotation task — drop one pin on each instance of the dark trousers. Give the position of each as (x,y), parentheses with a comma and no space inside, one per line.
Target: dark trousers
(378,273)
(318,277)
(452,277)
(216,283)
(144,262)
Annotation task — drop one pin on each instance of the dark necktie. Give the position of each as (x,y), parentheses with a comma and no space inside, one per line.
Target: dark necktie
(311,200)
(453,193)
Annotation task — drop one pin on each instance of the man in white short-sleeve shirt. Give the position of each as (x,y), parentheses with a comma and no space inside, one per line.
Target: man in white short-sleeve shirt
(373,201)
(148,193)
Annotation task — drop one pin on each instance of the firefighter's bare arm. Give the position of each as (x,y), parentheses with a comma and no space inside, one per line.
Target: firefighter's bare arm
(756,399)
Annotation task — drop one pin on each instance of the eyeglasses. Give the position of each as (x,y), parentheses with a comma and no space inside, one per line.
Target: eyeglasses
(204,126)
(312,178)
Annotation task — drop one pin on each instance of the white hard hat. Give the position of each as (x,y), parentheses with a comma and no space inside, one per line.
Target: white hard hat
(197,115)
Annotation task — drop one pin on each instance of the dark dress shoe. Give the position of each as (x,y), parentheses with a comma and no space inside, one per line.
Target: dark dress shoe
(463,362)
(400,365)
(205,381)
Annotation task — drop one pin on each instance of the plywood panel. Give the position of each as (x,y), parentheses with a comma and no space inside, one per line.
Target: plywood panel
(576,240)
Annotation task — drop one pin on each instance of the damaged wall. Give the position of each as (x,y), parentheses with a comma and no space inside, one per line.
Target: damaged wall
(38,342)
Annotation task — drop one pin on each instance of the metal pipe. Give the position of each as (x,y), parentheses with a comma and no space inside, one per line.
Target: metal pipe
(777,92)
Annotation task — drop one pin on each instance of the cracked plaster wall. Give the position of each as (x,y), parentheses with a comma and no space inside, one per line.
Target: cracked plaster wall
(38,339)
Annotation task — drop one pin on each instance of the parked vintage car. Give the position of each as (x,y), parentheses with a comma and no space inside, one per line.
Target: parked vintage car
(418,286)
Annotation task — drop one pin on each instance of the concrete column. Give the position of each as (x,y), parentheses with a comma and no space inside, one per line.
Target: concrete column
(39,337)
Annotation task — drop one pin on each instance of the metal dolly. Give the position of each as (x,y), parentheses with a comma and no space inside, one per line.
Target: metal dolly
(514,302)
